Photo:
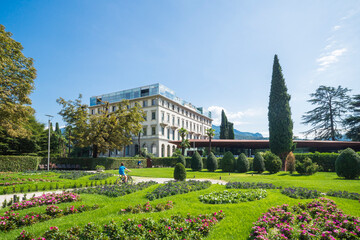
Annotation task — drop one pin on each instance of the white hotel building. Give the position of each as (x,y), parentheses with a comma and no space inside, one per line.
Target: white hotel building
(165,115)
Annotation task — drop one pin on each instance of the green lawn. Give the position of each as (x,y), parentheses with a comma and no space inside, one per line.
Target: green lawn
(239,217)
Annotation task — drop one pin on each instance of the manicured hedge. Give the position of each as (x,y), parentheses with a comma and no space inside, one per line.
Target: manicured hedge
(91,163)
(18,163)
(326,161)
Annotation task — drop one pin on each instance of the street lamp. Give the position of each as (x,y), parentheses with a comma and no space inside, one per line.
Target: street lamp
(49,142)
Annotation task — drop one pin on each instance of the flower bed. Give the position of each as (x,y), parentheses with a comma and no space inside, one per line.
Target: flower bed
(302,193)
(319,219)
(101,176)
(173,188)
(74,175)
(147,207)
(116,190)
(178,227)
(344,194)
(251,185)
(233,197)
(46,199)
(11,220)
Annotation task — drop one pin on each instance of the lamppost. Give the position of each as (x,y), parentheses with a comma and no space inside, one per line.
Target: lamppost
(49,142)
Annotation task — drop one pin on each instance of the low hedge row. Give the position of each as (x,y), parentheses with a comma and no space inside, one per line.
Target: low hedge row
(91,163)
(19,163)
(326,161)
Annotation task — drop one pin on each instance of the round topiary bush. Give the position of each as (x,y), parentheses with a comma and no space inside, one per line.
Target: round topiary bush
(179,172)
(258,163)
(196,162)
(228,162)
(181,159)
(347,164)
(211,162)
(273,163)
(290,163)
(242,163)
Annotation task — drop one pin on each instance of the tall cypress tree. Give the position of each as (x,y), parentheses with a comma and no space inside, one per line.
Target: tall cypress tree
(224,127)
(279,115)
(231,131)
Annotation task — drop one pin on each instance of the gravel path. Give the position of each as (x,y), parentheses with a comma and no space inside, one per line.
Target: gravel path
(136,180)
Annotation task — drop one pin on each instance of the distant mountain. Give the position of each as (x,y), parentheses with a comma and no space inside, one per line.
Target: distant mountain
(239,135)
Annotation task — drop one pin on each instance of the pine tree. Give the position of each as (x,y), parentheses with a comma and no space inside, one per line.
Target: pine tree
(353,121)
(279,115)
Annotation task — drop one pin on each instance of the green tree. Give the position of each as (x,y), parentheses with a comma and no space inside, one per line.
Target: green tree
(352,122)
(224,127)
(279,115)
(258,163)
(228,162)
(184,142)
(331,105)
(347,164)
(103,131)
(231,131)
(17,75)
(210,132)
(179,172)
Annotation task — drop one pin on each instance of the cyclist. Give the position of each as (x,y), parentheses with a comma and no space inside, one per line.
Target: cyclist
(122,169)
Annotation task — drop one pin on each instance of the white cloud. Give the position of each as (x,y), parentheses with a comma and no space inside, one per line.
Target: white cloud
(238,118)
(337,27)
(330,58)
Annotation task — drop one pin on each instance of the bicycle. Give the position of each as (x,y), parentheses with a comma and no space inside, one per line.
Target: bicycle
(121,180)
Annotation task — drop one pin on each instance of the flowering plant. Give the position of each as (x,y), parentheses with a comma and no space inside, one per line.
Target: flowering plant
(147,207)
(233,197)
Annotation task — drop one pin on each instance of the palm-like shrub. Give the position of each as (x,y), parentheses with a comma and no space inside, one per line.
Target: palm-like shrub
(258,163)
(290,163)
(196,162)
(228,162)
(181,159)
(307,167)
(211,162)
(273,163)
(242,163)
(179,172)
(347,164)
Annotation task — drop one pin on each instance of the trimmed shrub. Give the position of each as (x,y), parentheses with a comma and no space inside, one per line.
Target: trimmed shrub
(290,163)
(196,162)
(228,162)
(211,162)
(348,164)
(179,172)
(19,163)
(326,161)
(242,163)
(307,167)
(258,163)
(181,159)
(273,163)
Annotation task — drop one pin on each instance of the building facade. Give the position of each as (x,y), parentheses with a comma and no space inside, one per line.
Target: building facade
(165,114)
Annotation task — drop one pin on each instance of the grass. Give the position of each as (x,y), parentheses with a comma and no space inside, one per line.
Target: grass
(239,217)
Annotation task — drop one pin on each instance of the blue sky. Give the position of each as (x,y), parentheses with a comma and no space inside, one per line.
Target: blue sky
(215,54)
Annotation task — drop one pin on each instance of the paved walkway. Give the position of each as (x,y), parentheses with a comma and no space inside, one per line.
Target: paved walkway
(136,180)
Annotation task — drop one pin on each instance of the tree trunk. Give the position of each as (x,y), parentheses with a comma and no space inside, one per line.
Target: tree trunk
(139,151)
(332,123)
(95,151)
(209,145)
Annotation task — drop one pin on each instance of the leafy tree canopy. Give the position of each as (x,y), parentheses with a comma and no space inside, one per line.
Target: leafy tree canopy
(17,75)
(103,131)
(353,121)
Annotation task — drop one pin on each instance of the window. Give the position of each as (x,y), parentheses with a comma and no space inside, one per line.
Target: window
(153,115)
(162,116)
(145,103)
(168,118)
(113,108)
(145,116)
(173,107)
(182,123)
(162,131)
(144,131)
(182,111)
(153,131)
(153,102)
(173,134)
(168,133)
(168,105)
(178,109)
(144,92)
(92,111)
(173,120)
(178,122)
